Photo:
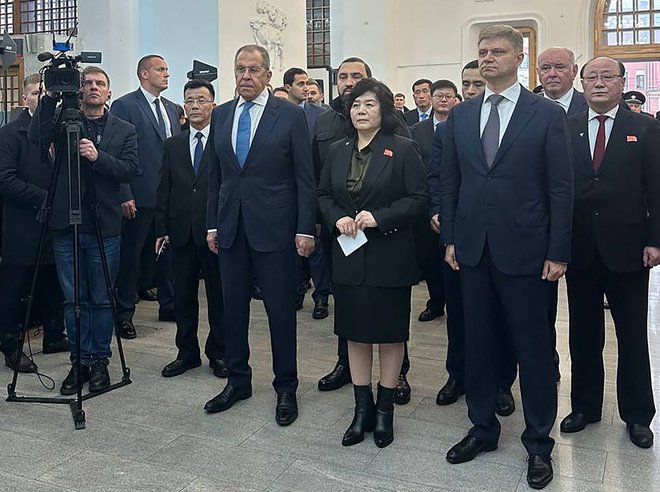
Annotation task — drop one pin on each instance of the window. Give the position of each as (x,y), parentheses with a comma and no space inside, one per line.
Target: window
(7,18)
(527,69)
(58,16)
(318,33)
(625,27)
(14,81)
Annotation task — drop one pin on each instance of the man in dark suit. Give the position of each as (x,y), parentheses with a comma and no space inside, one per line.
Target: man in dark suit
(422,96)
(557,70)
(616,241)
(108,157)
(295,82)
(155,119)
(506,204)
(24,186)
(181,224)
(400,102)
(261,211)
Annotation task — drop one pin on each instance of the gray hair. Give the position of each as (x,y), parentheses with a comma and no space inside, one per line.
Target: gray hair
(252,48)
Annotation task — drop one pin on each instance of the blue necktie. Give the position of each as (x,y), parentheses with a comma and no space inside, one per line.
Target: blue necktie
(490,138)
(159,119)
(199,151)
(423,116)
(243,134)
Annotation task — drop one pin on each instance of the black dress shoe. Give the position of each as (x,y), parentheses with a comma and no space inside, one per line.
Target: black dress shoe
(340,376)
(179,366)
(61,345)
(286,411)
(148,295)
(402,391)
(505,405)
(99,379)
(430,314)
(227,397)
(219,368)
(467,449)
(69,385)
(539,470)
(320,309)
(450,392)
(575,422)
(127,330)
(640,435)
(19,361)
(166,316)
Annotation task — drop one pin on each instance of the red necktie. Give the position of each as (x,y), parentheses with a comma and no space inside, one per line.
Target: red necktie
(599,149)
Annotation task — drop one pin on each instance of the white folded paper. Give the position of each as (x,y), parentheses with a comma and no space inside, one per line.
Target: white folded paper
(349,244)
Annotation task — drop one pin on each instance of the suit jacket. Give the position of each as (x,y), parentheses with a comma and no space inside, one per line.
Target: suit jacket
(617,209)
(578,103)
(412,117)
(312,112)
(395,191)
(182,194)
(274,191)
(134,108)
(522,205)
(422,134)
(24,183)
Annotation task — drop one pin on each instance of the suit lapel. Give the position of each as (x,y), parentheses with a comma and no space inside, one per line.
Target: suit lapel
(173,116)
(618,135)
(186,160)
(341,164)
(225,134)
(144,105)
(268,119)
(520,118)
(108,132)
(581,148)
(474,126)
(381,148)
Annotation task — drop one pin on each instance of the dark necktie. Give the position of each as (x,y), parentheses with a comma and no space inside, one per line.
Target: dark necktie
(199,151)
(599,148)
(243,134)
(159,119)
(490,138)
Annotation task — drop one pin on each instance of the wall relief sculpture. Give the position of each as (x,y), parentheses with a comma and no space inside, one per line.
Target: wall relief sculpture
(267,29)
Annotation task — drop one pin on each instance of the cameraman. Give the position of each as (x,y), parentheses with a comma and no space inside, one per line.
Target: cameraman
(108,157)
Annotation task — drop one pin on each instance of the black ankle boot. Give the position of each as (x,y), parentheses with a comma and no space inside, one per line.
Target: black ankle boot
(365,416)
(383,431)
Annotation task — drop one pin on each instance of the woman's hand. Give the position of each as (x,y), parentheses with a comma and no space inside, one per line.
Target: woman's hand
(365,219)
(347,226)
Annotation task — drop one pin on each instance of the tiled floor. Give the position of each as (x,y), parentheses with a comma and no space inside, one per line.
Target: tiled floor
(154,435)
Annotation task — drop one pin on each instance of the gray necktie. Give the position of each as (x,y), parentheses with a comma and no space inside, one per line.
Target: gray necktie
(490,138)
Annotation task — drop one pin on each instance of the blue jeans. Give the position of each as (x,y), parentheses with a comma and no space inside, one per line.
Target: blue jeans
(95,313)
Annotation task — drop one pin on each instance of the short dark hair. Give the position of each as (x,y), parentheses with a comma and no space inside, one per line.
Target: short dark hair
(471,66)
(197,84)
(355,59)
(389,119)
(280,89)
(400,94)
(144,62)
(443,84)
(459,97)
(290,75)
(421,82)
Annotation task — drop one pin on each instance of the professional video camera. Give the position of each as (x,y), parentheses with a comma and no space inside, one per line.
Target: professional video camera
(63,74)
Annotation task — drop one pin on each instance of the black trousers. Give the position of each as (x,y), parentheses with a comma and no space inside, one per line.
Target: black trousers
(188,260)
(430,259)
(277,274)
(553,296)
(627,295)
(522,301)
(15,282)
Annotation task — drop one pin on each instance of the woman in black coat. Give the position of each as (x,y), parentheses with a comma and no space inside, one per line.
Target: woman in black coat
(374,182)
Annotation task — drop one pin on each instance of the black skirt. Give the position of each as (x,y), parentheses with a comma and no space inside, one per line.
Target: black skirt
(369,314)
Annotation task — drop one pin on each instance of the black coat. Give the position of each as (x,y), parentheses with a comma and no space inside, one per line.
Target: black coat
(395,191)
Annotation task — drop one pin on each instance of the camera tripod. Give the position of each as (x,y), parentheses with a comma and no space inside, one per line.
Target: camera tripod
(68,129)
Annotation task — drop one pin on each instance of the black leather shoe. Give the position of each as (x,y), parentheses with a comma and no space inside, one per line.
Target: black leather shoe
(219,368)
(467,449)
(450,392)
(430,315)
(61,345)
(402,391)
(320,309)
(539,470)
(340,376)
(147,295)
(640,435)
(286,411)
(69,385)
(227,397)
(505,405)
(364,417)
(22,361)
(127,330)
(179,366)
(99,379)
(166,316)
(575,422)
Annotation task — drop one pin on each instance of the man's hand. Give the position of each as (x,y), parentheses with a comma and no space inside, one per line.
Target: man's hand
(305,245)
(128,209)
(435,223)
(651,256)
(347,226)
(365,219)
(450,257)
(161,242)
(87,149)
(553,270)
(212,241)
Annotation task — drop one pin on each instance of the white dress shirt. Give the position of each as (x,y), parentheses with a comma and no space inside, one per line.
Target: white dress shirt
(565,100)
(150,99)
(256,111)
(193,140)
(594,124)
(505,108)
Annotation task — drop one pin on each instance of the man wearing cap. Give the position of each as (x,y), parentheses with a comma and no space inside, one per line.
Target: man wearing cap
(635,101)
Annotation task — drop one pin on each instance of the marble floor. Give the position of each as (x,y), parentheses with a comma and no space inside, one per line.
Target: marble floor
(153,435)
